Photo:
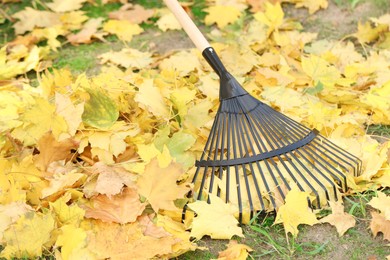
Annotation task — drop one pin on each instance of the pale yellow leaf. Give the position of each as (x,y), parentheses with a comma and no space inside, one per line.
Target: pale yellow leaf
(215,219)
(295,211)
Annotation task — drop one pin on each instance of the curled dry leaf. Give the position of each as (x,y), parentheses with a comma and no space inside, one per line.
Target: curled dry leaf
(340,219)
(132,13)
(380,224)
(89,31)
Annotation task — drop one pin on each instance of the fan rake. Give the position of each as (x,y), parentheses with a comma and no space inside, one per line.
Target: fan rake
(254,154)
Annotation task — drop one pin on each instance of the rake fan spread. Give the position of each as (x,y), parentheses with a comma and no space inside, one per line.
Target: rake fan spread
(255,154)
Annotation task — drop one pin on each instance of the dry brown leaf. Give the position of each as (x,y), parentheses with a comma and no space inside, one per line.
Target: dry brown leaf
(340,219)
(51,150)
(380,224)
(88,32)
(122,208)
(149,228)
(111,180)
(30,18)
(132,13)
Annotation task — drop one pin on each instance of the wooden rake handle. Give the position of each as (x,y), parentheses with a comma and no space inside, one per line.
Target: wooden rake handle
(188,25)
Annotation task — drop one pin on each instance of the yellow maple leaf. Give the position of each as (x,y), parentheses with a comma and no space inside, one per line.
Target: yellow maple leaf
(222,15)
(382,203)
(151,98)
(367,34)
(215,219)
(158,185)
(128,58)
(272,16)
(10,213)
(121,208)
(295,212)
(341,220)
(72,241)
(320,70)
(312,5)
(168,22)
(127,241)
(60,6)
(67,214)
(71,112)
(235,251)
(23,240)
(123,29)
(38,119)
(73,20)
(183,62)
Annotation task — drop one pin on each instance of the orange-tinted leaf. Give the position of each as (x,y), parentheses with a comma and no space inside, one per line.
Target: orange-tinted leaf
(51,150)
(122,208)
(380,224)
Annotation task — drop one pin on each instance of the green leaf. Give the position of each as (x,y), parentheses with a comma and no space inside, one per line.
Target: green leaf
(99,111)
(315,90)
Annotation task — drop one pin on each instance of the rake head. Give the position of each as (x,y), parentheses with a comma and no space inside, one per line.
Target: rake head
(255,154)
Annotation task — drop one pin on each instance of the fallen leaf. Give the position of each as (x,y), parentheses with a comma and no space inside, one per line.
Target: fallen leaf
(132,13)
(89,31)
(10,213)
(151,98)
(60,6)
(312,5)
(381,203)
(72,241)
(380,224)
(122,208)
(295,211)
(61,181)
(340,219)
(100,111)
(30,18)
(126,242)
(222,15)
(235,251)
(159,186)
(168,22)
(51,150)
(215,219)
(23,240)
(123,29)
(128,58)
(111,180)
(67,213)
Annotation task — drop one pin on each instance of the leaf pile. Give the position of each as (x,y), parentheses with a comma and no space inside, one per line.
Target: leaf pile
(100,165)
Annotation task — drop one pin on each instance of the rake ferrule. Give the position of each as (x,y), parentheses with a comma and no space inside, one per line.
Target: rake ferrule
(229,86)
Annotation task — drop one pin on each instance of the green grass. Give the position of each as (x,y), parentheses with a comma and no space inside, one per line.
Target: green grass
(82,58)
(380,130)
